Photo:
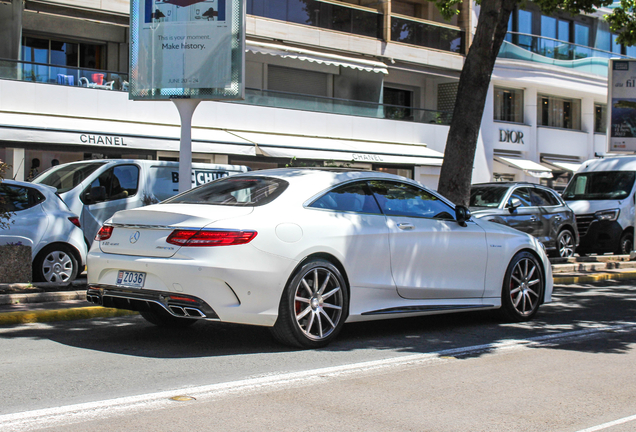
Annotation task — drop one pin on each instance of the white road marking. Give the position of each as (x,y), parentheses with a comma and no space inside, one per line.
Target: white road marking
(70,414)
(609,424)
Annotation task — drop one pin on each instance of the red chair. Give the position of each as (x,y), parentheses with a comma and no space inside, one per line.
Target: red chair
(98,78)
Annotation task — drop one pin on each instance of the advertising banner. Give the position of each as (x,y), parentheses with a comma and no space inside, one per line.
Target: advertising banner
(187,49)
(622,106)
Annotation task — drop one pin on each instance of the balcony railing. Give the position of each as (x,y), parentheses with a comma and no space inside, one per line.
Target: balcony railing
(62,75)
(426,34)
(320,14)
(545,50)
(279,99)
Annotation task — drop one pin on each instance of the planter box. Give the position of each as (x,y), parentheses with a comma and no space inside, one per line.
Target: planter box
(15,264)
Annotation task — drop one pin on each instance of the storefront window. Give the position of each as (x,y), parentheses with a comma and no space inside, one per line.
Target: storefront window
(600,118)
(61,53)
(559,112)
(397,104)
(508,105)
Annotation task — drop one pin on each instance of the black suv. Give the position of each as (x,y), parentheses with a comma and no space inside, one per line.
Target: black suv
(531,208)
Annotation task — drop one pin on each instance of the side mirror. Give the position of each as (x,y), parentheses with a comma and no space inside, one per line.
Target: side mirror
(462,214)
(513,204)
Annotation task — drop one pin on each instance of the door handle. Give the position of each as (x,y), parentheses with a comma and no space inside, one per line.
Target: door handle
(405,226)
(533,218)
(557,218)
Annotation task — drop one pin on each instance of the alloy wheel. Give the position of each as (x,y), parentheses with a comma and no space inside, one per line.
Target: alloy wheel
(525,283)
(318,302)
(566,244)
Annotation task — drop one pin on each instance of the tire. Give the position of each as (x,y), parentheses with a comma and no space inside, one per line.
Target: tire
(565,244)
(162,318)
(626,244)
(313,307)
(522,289)
(55,263)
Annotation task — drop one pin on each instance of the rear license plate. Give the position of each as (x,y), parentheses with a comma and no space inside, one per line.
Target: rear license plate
(131,279)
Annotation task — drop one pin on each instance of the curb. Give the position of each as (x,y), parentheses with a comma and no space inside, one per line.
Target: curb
(599,277)
(23,317)
(8,299)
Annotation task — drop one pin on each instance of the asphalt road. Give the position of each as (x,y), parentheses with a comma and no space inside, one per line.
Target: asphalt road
(571,369)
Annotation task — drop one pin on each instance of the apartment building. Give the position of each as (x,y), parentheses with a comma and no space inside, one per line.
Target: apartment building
(364,83)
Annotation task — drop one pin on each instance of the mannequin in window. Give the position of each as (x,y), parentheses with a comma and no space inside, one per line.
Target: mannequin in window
(35,169)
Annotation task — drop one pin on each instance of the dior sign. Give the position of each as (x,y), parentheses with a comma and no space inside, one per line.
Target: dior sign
(511,136)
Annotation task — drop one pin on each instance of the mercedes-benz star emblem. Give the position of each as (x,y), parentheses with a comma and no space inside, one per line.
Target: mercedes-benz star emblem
(135,237)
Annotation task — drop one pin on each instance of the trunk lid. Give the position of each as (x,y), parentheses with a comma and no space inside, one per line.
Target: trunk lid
(143,231)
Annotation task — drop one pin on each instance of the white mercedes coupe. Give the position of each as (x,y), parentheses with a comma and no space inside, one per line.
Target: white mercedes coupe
(304,250)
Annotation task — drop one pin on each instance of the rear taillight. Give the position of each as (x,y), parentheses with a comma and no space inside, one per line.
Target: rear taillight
(210,238)
(104,233)
(75,221)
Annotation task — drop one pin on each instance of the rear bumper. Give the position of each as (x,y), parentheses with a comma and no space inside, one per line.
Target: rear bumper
(178,305)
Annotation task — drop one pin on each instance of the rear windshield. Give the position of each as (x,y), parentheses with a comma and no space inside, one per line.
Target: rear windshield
(486,196)
(234,191)
(602,185)
(66,177)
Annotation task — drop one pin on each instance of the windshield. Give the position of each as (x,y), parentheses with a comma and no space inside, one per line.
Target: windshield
(234,191)
(602,185)
(66,177)
(486,196)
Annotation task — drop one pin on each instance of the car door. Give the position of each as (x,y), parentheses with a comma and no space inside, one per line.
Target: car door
(432,256)
(115,189)
(352,211)
(551,214)
(28,222)
(520,214)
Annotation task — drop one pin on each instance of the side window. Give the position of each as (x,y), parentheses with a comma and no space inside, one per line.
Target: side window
(401,199)
(523,195)
(353,197)
(545,198)
(116,183)
(17,198)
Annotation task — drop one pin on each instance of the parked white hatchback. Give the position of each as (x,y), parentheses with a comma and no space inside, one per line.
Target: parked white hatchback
(305,250)
(40,219)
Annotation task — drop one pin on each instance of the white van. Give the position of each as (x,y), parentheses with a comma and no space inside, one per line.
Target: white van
(601,194)
(96,189)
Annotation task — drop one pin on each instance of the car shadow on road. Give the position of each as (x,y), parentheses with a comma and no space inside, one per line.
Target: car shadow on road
(577,308)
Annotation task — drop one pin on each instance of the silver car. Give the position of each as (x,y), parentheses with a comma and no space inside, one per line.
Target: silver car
(40,219)
(531,208)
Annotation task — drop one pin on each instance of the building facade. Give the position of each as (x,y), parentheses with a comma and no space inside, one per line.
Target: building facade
(362,83)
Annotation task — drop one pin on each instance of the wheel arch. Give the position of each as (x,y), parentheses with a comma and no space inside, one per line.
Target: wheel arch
(73,249)
(567,227)
(327,257)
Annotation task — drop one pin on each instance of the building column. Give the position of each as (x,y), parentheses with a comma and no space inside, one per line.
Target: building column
(15,160)
(11,29)
(587,124)
(465,23)
(531,119)
(385,8)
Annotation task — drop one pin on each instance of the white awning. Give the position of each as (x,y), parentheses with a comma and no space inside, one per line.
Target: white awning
(564,166)
(306,147)
(529,167)
(42,129)
(315,56)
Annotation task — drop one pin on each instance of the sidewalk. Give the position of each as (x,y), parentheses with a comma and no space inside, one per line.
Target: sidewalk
(44,302)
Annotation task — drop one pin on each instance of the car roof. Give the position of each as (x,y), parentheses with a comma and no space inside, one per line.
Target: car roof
(324,176)
(617,163)
(40,187)
(507,184)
